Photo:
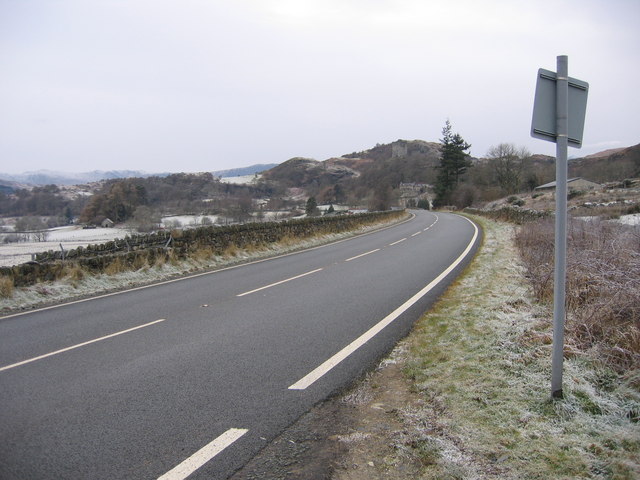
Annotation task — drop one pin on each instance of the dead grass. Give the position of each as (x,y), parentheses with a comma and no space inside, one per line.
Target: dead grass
(603,285)
(75,275)
(115,267)
(231,251)
(6,287)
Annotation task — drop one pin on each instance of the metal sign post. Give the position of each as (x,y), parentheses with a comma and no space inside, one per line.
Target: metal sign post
(560,274)
(558,116)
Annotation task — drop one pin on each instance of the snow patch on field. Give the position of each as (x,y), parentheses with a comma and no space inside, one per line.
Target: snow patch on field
(242,180)
(177,221)
(633,219)
(69,237)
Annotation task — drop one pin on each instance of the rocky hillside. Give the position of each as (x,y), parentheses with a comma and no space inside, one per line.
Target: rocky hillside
(372,175)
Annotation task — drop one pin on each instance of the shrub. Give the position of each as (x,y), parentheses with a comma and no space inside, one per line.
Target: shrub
(574,194)
(633,209)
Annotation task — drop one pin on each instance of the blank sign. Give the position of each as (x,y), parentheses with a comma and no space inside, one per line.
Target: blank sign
(543,125)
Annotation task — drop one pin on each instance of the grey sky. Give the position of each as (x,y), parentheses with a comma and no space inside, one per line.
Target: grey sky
(200,85)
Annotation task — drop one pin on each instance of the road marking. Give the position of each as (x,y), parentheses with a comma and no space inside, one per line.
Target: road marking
(399,241)
(202,456)
(436,221)
(278,283)
(80,345)
(321,370)
(417,233)
(362,255)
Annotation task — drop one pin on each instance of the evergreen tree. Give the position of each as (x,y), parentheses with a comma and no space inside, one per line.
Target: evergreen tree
(454,162)
(424,204)
(312,206)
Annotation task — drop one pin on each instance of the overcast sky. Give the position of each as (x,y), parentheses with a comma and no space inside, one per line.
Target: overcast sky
(202,85)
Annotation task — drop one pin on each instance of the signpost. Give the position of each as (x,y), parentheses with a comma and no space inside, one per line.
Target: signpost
(558,116)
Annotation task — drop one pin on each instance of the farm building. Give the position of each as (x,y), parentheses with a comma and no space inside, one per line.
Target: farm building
(572,184)
(107,223)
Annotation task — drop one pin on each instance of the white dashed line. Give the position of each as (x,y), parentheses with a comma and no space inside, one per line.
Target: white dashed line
(79,345)
(362,255)
(278,283)
(399,241)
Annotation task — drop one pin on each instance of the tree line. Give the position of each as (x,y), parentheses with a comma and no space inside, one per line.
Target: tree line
(202,193)
(47,200)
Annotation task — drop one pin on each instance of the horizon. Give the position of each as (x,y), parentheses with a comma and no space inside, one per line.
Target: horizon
(151,173)
(205,86)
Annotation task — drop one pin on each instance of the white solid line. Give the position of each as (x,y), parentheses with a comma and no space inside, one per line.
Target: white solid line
(399,241)
(202,456)
(79,345)
(417,233)
(362,255)
(278,283)
(320,371)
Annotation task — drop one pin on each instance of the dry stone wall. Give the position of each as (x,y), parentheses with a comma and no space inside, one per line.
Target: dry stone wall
(136,251)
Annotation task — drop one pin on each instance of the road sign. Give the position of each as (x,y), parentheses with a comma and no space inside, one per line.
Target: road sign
(543,125)
(558,116)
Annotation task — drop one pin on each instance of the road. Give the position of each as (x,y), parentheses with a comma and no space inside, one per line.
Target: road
(194,377)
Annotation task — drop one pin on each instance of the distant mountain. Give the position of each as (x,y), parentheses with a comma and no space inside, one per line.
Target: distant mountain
(50,177)
(239,172)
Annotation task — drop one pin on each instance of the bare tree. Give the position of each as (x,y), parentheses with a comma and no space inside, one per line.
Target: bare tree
(145,219)
(507,162)
(34,226)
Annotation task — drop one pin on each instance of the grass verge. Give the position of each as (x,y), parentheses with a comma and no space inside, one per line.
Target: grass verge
(481,363)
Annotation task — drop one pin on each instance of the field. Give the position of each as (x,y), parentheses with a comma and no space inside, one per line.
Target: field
(69,237)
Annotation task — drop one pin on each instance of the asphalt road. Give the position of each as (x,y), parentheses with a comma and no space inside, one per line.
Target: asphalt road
(194,377)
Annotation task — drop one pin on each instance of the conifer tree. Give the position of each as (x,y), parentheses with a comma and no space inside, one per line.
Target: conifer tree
(311,207)
(454,162)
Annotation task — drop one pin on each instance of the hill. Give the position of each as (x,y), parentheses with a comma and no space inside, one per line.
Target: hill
(608,166)
(371,177)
